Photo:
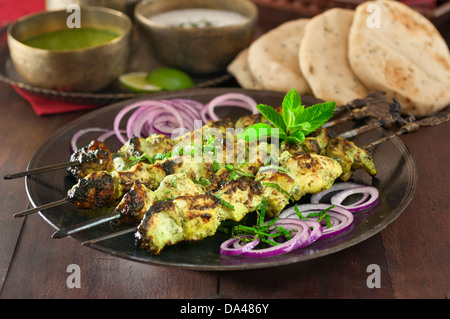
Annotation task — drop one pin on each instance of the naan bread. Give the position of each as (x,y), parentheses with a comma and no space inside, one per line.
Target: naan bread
(406,56)
(273,58)
(323,57)
(241,72)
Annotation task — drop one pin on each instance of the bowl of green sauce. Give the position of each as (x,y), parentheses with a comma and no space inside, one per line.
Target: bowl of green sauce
(52,50)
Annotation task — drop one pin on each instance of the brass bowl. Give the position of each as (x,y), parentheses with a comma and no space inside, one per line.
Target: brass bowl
(199,50)
(78,70)
(126,6)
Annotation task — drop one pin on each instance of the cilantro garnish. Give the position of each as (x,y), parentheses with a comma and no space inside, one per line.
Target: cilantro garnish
(279,188)
(261,230)
(321,215)
(147,158)
(236,172)
(224,202)
(293,124)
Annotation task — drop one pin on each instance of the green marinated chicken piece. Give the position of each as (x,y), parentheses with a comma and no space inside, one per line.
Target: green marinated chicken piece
(350,157)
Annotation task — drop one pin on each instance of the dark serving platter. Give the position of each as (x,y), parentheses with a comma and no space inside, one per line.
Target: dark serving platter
(396,181)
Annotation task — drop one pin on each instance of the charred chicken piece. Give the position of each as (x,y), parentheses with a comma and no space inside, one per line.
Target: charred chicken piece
(187,218)
(100,189)
(93,157)
(350,157)
(315,143)
(195,217)
(138,200)
(96,190)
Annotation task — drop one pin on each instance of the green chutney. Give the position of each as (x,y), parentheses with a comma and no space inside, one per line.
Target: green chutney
(69,39)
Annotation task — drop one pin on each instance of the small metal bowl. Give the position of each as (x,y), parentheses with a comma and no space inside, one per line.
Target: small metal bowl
(200,50)
(126,6)
(78,70)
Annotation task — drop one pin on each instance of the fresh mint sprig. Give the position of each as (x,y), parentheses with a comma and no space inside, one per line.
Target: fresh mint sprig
(294,122)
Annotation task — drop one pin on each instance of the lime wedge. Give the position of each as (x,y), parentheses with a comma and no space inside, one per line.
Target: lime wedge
(170,79)
(136,82)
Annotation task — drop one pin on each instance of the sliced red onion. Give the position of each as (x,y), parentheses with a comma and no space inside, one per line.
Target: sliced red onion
(229,99)
(371,191)
(335,187)
(301,234)
(316,232)
(237,249)
(180,114)
(78,134)
(342,218)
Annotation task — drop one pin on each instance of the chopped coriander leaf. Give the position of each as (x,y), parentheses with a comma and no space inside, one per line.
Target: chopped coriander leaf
(299,214)
(262,230)
(234,175)
(142,158)
(202,181)
(273,167)
(216,166)
(236,172)
(226,204)
(278,187)
(322,215)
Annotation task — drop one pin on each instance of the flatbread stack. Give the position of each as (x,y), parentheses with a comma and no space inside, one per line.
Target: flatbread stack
(271,62)
(406,57)
(323,57)
(342,55)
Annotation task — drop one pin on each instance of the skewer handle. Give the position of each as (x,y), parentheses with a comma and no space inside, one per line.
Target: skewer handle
(41,170)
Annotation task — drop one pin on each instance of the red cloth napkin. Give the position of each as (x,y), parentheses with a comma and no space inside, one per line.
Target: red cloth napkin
(46,106)
(10,11)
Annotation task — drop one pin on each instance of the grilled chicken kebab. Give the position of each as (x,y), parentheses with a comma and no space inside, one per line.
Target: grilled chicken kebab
(176,199)
(103,188)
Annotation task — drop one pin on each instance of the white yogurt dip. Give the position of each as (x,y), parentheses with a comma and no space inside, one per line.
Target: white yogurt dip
(198,18)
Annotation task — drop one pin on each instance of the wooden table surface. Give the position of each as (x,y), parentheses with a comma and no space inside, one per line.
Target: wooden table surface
(412,252)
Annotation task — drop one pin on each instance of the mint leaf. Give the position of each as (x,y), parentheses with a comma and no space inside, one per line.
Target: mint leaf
(291,107)
(299,127)
(293,140)
(299,135)
(293,124)
(317,115)
(272,115)
(259,131)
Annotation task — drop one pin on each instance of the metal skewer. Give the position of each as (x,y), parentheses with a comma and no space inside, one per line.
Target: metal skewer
(83,226)
(375,105)
(433,120)
(43,169)
(42,207)
(109,236)
(348,134)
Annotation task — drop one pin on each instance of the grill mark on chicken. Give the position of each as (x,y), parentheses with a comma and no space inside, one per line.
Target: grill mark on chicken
(93,157)
(93,193)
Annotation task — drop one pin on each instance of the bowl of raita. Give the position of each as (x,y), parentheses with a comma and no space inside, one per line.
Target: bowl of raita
(197,36)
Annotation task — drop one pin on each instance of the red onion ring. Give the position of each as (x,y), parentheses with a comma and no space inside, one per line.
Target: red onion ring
(335,187)
(355,207)
(316,232)
(369,195)
(228,99)
(344,219)
(78,134)
(237,249)
(302,233)
(179,114)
